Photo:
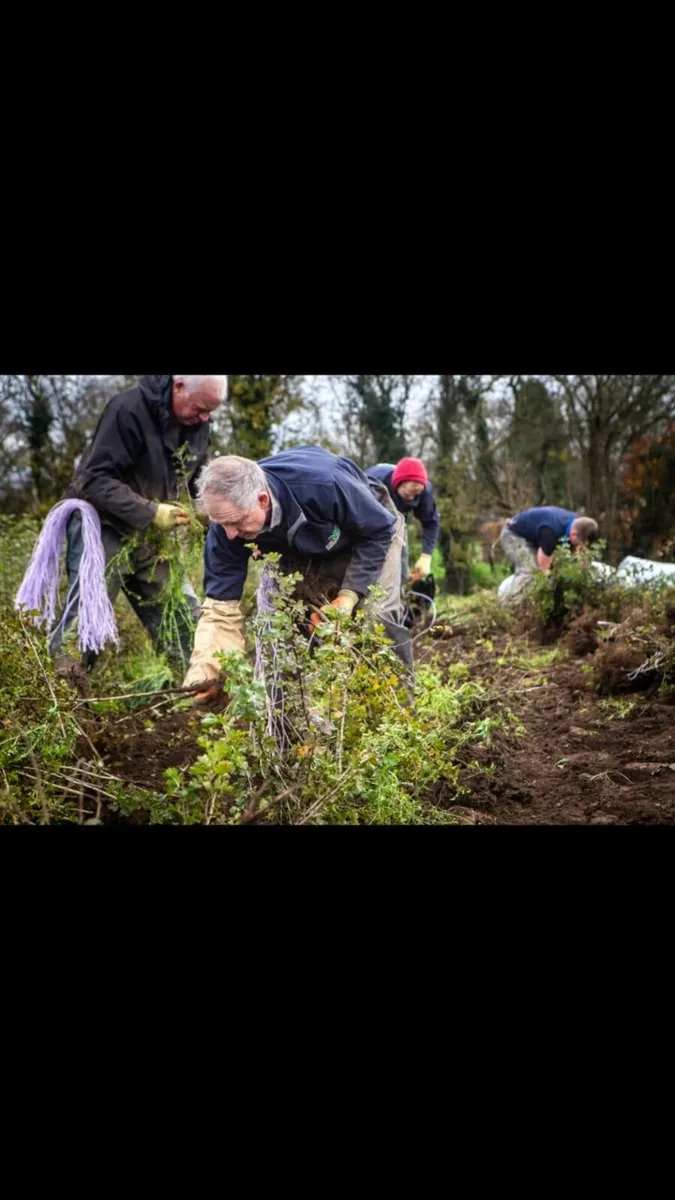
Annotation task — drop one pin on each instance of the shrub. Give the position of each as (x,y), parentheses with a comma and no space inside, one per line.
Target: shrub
(574,586)
(326,733)
(39,728)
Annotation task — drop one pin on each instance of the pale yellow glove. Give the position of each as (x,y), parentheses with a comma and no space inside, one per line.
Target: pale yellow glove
(345,600)
(422,567)
(220,628)
(168,516)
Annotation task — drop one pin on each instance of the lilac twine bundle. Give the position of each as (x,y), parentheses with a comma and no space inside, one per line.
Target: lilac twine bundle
(40,587)
(270,678)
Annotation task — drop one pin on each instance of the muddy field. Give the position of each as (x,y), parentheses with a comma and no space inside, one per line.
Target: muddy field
(583,759)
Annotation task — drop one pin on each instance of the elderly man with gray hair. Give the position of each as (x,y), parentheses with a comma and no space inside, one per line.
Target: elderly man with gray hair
(130,473)
(325,518)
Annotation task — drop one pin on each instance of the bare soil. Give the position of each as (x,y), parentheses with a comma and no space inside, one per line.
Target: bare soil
(577,763)
(139,754)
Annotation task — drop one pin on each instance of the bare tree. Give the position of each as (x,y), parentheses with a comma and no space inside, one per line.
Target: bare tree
(376,405)
(46,421)
(605,413)
(463,469)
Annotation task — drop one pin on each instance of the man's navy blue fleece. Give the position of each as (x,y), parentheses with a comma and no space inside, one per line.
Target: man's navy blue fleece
(326,505)
(543,527)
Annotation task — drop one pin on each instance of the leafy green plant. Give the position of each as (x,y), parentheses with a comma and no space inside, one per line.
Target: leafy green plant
(180,552)
(617,709)
(39,728)
(484,577)
(18,536)
(518,655)
(573,586)
(327,733)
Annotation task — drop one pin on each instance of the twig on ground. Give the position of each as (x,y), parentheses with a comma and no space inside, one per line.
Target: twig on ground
(39,785)
(651,664)
(48,680)
(184,691)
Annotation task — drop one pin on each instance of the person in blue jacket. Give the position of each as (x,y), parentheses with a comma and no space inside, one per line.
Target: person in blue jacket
(530,538)
(307,503)
(409,487)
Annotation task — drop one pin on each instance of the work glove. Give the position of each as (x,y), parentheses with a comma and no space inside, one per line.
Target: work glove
(346,601)
(220,628)
(168,516)
(422,568)
(205,675)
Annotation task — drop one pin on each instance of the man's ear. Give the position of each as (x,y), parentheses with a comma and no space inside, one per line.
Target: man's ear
(264,501)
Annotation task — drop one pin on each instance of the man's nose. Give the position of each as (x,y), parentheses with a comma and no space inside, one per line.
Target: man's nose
(231,531)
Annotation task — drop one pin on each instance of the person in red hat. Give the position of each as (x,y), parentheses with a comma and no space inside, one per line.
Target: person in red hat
(409,487)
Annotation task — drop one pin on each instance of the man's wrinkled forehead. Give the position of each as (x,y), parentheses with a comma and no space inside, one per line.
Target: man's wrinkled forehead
(222,510)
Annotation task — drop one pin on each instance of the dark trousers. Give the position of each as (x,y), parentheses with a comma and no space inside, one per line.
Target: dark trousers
(142,585)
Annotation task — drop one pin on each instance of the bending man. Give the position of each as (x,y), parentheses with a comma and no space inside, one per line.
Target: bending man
(409,487)
(322,514)
(530,538)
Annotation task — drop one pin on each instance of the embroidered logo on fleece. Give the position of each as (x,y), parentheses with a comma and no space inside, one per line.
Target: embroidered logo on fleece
(334,537)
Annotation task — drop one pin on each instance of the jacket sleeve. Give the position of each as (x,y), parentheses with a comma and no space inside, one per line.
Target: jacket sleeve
(225,565)
(115,448)
(429,518)
(371,526)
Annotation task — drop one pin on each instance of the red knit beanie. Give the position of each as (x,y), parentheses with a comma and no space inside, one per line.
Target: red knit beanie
(409,470)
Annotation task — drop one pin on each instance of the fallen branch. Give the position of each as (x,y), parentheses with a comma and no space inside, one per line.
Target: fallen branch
(646,668)
(312,812)
(434,616)
(65,787)
(47,679)
(39,785)
(252,812)
(251,809)
(182,691)
(606,775)
(100,773)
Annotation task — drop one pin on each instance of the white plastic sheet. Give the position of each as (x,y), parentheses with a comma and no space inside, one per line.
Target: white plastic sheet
(644,570)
